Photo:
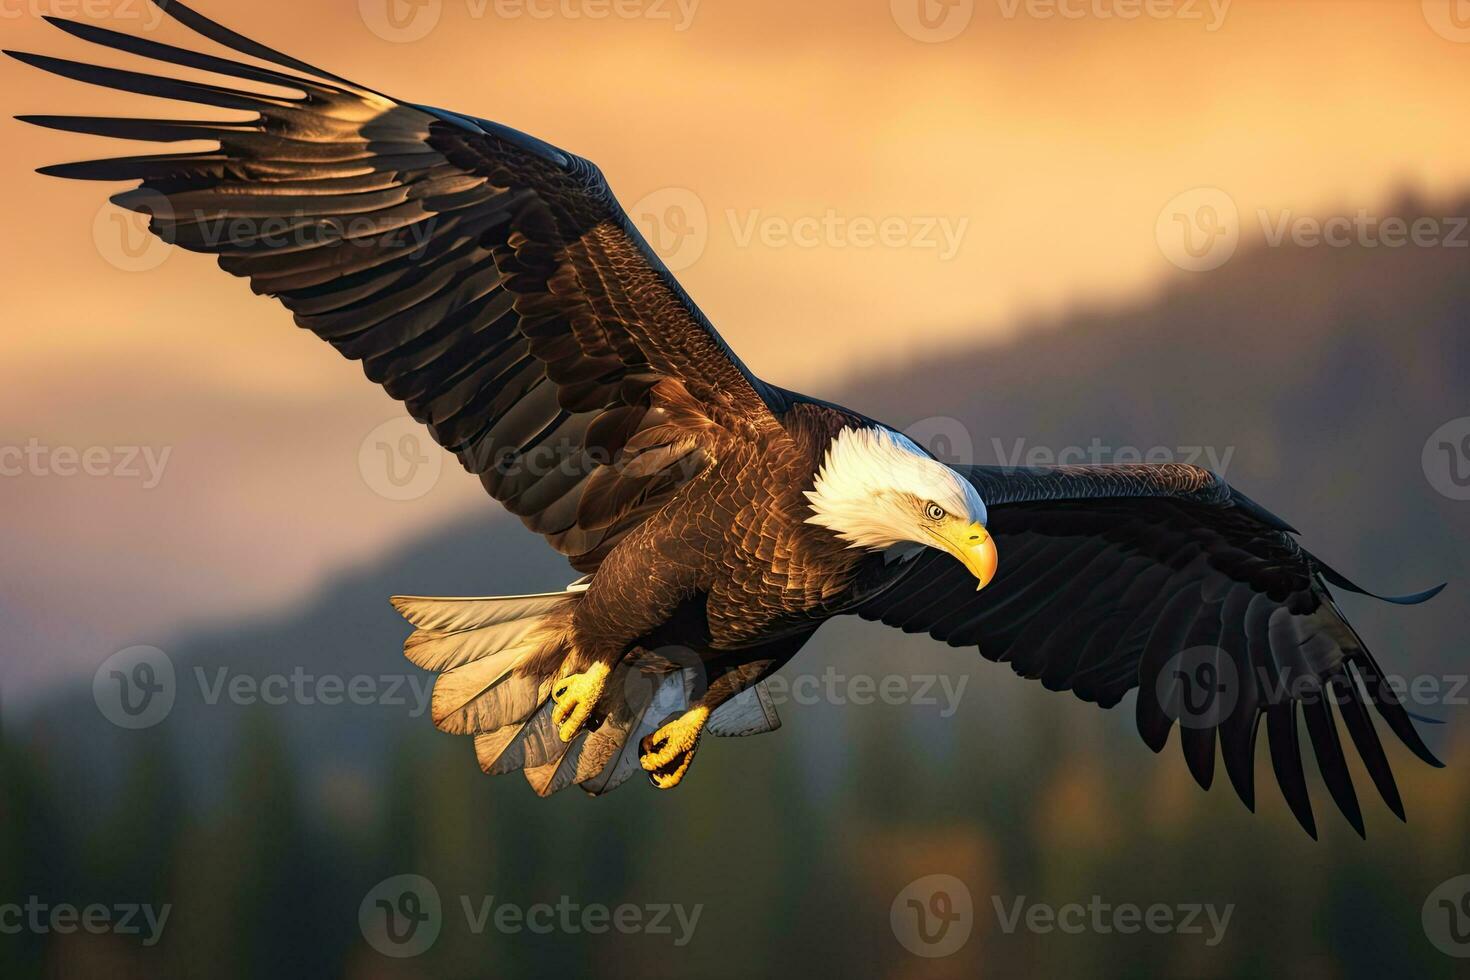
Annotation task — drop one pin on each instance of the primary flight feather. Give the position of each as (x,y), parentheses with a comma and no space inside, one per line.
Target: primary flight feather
(492,284)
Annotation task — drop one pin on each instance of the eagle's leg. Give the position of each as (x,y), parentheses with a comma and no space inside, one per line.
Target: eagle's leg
(666,754)
(575,696)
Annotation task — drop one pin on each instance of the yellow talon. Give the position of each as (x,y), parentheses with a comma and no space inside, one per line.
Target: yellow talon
(574,697)
(667,753)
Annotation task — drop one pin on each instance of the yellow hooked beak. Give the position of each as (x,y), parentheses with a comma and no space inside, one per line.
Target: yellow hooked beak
(974,547)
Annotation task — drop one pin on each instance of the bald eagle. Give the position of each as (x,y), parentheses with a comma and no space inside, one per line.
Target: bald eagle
(492,283)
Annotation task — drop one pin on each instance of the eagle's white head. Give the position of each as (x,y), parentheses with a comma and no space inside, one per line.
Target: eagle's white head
(877,489)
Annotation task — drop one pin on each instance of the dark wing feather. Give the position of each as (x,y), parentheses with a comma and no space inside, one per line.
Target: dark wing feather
(1108,574)
(487,280)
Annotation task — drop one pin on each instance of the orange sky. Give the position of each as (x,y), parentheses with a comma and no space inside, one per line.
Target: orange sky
(1020,167)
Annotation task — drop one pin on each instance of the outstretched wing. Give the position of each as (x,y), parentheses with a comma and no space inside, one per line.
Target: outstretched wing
(1166,579)
(487,280)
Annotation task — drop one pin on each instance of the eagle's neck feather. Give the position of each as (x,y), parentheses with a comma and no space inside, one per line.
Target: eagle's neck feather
(859,490)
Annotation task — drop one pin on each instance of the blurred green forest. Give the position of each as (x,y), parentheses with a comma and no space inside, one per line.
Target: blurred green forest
(1323,371)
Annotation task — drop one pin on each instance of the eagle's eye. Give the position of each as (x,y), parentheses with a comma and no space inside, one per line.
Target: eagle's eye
(933,511)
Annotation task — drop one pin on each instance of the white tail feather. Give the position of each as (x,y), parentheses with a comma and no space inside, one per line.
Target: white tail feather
(445,651)
(477,646)
(450,615)
(491,749)
(667,694)
(751,712)
(477,643)
(527,743)
(487,695)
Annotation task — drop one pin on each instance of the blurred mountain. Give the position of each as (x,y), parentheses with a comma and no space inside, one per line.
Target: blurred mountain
(1311,377)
